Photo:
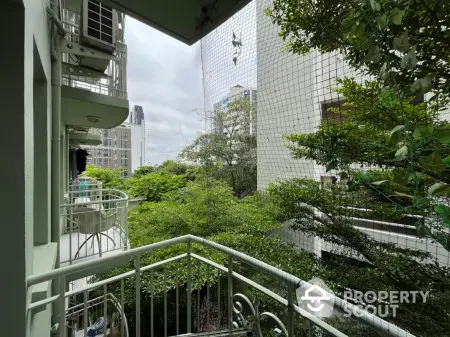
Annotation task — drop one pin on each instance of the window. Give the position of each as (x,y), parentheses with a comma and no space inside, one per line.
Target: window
(333,111)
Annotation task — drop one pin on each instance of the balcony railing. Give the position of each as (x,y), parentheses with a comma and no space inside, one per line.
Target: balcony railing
(113,81)
(242,315)
(93,315)
(95,222)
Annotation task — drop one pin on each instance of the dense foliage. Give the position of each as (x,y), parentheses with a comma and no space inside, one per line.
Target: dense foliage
(403,43)
(230,152)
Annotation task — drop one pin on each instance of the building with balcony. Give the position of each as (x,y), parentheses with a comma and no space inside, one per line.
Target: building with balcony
(65,71)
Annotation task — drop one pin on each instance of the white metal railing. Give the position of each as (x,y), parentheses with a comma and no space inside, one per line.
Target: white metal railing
(102,313)
(242,314)
(114,80)
(95,222)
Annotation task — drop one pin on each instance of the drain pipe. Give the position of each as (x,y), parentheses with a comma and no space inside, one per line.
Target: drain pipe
(56,141)
(57,31)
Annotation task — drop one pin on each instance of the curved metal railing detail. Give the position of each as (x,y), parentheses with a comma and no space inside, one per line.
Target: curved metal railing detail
(228,304)
(242,321)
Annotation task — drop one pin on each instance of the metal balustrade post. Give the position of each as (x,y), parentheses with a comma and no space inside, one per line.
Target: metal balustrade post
(290,317)
(62,306)
(85,311)
(230,292)
(189,287)
(122,314)
(105,305)
(137,267)
(152,319)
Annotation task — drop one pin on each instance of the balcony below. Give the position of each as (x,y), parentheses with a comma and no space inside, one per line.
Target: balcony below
(95,223)
(85,108)
(90,136)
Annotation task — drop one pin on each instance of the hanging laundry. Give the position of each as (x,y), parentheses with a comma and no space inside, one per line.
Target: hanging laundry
(81,160)
(73,163)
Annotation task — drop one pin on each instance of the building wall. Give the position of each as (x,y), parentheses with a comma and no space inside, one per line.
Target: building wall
(115,150)
(291,91)
(24,33)
(237,92)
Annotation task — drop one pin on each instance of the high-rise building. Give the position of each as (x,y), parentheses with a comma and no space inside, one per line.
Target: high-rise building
(137,115)
(115,151)
(236,92)
(122,147)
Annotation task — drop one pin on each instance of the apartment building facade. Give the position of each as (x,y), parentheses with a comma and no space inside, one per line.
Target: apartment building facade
(115,151)
(235,93)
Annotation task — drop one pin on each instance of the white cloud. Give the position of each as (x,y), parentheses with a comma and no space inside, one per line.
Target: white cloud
(165,77)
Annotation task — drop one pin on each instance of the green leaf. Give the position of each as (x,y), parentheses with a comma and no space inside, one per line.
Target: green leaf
(420,201)
(444,212)
(375,5)
(404,195)
(401,43)
(397,129)
(382,20)
(438,188)
(373,55)
(422,131)
(384,73)
(397,16)
(331,165)
(432,162)
(409,61)
(377,183)
(442,135)
(402,152)
(422,85)
(446,160)
(343,175)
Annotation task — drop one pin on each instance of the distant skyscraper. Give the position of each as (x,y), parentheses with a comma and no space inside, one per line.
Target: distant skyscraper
(137,115)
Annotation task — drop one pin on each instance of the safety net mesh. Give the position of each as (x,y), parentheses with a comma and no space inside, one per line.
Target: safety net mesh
(343,124)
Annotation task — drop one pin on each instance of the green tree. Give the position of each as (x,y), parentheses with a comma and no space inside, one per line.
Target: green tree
(109,178)
(362,262)
(153,185)
(382,131)
(207,208)
(229,153)
(142,171)
(404,43)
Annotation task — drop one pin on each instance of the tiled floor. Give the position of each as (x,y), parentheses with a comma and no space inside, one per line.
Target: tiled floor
(70,244)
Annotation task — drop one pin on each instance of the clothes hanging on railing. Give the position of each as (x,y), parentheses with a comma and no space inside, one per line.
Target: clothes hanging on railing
(81,156)
(73,163)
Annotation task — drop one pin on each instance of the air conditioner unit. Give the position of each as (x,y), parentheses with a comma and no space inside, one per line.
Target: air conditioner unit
(98,31)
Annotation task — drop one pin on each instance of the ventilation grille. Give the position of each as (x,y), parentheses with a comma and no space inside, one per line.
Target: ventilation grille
(99,23)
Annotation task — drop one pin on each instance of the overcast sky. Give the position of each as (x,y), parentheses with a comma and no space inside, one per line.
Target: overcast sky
(165,77)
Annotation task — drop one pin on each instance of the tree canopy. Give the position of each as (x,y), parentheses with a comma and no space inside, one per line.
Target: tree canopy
(230,152)
(403,43)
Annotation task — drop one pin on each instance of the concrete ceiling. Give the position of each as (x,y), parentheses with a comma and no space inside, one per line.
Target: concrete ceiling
(185,20)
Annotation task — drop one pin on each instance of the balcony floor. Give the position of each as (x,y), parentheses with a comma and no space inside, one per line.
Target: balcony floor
(87,252)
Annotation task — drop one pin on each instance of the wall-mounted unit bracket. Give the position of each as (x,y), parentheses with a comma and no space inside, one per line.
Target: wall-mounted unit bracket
(76,49)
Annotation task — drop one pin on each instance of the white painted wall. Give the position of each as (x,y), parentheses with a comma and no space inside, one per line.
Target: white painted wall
(22,27)
(291,89)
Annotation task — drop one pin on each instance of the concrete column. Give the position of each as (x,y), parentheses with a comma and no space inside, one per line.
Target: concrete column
(16,208)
